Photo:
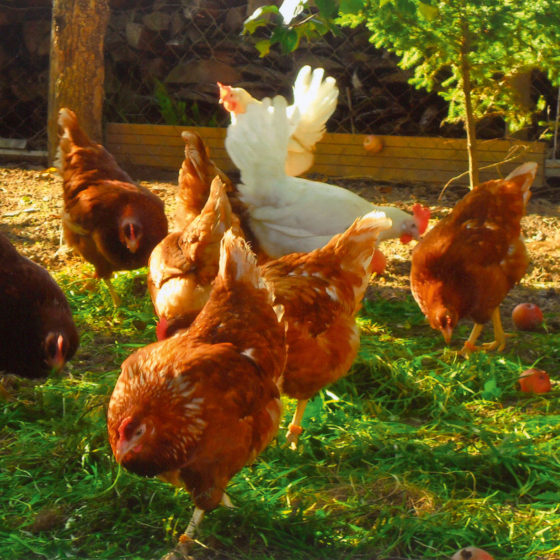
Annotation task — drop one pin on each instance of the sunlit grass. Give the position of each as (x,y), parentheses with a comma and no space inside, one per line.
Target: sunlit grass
(416,453)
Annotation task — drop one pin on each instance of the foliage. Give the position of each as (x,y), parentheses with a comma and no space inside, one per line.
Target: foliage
(504,39)
(415,454)
(175,112)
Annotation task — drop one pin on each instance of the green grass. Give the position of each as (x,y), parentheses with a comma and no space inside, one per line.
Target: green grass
(413,455)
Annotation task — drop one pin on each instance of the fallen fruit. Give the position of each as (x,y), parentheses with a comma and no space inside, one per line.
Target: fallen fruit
(535,381)
(472,553)
(527,316)
(373,144)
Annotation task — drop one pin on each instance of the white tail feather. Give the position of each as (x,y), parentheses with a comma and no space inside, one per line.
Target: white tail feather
(257,144)
(315,99)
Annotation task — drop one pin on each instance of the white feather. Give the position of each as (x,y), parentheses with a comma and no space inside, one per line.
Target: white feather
(289,214)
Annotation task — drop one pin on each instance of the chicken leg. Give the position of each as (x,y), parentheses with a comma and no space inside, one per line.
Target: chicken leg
(198,516)
(295,429)
(114,296)
(499,342)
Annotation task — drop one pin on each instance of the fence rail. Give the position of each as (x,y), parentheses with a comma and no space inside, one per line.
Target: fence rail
(403,158)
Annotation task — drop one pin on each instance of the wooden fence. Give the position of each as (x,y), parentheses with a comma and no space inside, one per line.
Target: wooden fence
(403,158)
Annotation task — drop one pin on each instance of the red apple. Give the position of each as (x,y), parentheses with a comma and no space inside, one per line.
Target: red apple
(527,316)
(373,144)
(535,381)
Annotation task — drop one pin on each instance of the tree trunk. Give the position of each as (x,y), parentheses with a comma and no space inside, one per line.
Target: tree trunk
(469,113)
(77,70)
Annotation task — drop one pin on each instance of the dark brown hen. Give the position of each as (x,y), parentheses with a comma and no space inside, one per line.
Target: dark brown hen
(37,332)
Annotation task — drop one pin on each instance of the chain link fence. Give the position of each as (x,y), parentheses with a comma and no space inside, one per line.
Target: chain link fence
(24,73)
(164,60)
(164,57)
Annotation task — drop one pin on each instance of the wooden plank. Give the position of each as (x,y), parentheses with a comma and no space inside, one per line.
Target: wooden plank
(360,165)
(493,144)
(404,158)
(352,141)
(161,130)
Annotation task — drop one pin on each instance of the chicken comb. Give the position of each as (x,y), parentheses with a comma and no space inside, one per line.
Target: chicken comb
(422,217)
(224,91)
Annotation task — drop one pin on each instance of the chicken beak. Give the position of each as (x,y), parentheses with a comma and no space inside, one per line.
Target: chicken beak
(224,92)
(132,245)
(58,360)
(447,332)
(122,450)
(133,240)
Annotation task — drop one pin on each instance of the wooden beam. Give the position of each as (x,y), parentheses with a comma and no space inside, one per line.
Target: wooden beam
(403,158)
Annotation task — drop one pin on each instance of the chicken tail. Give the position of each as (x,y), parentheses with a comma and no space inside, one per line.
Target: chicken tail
(315,99)
(258,144)
(355,247)
(523,176)
(237,262)
(197,159)
(201,239)
(76,153)
(72,135)
(68,124)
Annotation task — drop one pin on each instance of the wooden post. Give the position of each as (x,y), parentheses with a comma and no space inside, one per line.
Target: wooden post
(77,69)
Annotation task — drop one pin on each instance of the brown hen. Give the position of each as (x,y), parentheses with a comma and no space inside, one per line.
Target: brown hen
(112,222)
(195,177)
(321,293)
(37,332)
(468,262)
(184,264)
(195,408)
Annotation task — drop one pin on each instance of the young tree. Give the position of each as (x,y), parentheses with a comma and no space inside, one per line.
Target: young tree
(77,67)
(471,52)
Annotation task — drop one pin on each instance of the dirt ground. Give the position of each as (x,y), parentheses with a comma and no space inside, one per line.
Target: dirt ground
(31,204)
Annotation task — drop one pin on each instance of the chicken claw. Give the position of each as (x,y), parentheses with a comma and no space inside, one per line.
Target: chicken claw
(295,429)
(500,337)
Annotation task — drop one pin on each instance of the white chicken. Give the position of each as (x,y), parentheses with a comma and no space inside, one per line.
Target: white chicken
(292,214)
(315,100)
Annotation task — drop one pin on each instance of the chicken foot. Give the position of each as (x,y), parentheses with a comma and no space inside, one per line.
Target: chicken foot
(295,429)
(198,516)
(499,342)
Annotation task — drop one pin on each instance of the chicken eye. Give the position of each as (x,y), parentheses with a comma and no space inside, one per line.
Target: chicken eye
(140,431)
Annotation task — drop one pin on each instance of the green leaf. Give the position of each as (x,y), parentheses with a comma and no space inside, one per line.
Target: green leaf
(351,6)
(263,47)
(491,389)
(257,18)
(290,41)
(428,12)
(327,8)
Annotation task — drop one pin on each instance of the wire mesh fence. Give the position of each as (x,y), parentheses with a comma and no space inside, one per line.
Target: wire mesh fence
(164,60)
(24,72)
(164,57)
